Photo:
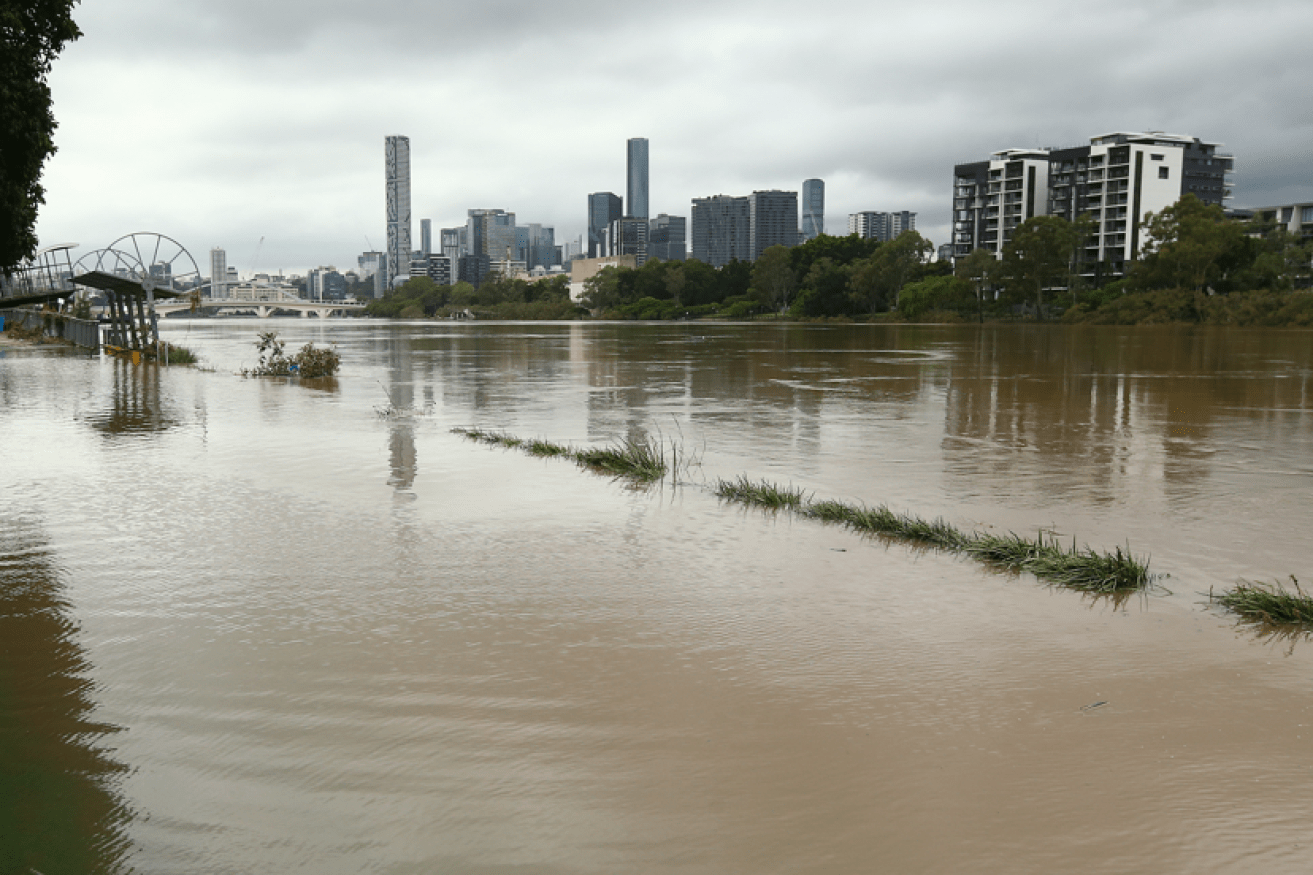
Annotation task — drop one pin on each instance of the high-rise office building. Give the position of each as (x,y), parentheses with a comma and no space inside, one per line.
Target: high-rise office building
(396,160)
(721,230)
(1117,179)
(666,238)
(773,220)
(813,209)
(438,268)
(637,174)
(540,250)
(603,209)
(426,237)
(452,242)
(218,273)
(492,233)
(628,236)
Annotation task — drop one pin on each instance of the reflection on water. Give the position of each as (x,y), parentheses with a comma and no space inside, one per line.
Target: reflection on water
(60,810)
(135,403)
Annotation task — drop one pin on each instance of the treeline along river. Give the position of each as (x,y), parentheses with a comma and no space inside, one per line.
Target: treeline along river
(251,625)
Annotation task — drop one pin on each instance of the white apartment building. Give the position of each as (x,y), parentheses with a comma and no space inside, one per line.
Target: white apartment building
(1118,179)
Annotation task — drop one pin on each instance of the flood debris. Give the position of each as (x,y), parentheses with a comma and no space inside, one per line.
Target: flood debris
(308,363)
(1043,556)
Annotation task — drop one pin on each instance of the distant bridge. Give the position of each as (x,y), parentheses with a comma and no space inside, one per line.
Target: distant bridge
(263,309)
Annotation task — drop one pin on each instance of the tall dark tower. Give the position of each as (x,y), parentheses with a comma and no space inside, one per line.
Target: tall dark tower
(637,193)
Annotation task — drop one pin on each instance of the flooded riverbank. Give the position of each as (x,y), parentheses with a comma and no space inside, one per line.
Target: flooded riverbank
(320,638)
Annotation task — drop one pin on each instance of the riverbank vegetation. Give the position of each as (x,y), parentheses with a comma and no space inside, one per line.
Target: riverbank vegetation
(496,298)
(308,363)
(1270,604)
(1044,557)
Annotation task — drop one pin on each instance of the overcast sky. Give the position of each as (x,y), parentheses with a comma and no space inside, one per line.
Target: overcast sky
(221,122)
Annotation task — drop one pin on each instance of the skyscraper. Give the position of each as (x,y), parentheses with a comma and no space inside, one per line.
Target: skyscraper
(426,237)
(603,209)
(492,233)
(721,230)
(396,159)
(218,273)
(773,216)
(665,238)
(637,192)
(813,209)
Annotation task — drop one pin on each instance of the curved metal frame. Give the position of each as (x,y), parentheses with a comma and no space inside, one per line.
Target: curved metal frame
(142,242)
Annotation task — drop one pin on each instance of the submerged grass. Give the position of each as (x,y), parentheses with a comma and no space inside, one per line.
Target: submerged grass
(1044,557)
(645,461)
(1270,604)
(641,460)
(762,494)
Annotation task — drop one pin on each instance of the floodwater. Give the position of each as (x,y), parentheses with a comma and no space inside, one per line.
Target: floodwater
(253,626)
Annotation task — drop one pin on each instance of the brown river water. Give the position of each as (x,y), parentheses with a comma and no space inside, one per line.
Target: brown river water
(251,626)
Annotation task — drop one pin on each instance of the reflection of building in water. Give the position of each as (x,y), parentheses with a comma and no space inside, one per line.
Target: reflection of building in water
(58,797)
(135,402)
(1107,414)
(402,457)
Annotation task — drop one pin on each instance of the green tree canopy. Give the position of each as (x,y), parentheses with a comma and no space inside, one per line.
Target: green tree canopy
(1040,255)
(1186,246)
(773,277)
(32,33)
(878,279)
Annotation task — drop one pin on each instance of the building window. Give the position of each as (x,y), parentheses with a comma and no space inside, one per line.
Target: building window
(1164,172)
(1306,215)
(1286,213)
(1155,157)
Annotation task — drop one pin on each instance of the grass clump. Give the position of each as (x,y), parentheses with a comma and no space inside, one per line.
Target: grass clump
(643,460)
(1075,568)
(177,355)
(539,447)
(761,494)
(1269,603)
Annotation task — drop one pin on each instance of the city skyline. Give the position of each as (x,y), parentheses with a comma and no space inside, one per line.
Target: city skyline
(261,143)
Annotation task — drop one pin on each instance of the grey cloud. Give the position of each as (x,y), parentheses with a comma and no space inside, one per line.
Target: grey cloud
(276,111)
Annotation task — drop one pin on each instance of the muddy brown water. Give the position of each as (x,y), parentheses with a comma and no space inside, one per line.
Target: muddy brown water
(252,626)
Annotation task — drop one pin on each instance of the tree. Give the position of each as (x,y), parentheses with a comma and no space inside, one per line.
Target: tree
(978,269)
(1039,256)
(1185,246)
(32,33)
(773,278)
(602,290)
(935,293)
(878,280)
(825,290)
